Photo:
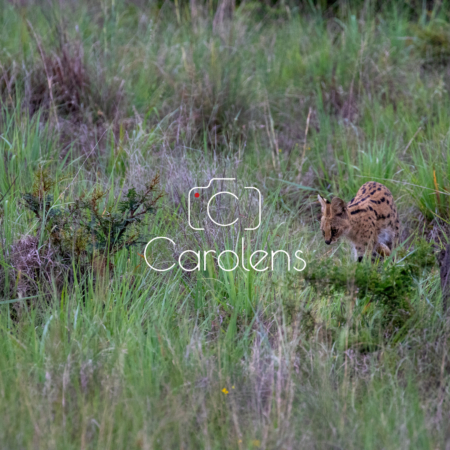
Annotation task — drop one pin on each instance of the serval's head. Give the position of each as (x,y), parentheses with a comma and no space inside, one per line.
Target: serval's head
(335,220)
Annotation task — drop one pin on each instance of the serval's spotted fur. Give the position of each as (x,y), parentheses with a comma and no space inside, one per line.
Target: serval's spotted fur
(369,221)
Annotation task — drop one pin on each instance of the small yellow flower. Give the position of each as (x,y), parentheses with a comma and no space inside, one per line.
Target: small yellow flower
(225,391)
(232,387)
(240,441)
(256,443)
(279,150)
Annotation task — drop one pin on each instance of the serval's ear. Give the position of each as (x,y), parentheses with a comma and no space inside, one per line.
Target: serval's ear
(338,205)
(323,203)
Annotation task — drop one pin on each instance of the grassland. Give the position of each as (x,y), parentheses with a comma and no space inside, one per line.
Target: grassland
(99,351)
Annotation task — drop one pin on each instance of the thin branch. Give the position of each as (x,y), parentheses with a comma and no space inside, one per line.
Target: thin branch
(411,140)
(11,185)
(304,144)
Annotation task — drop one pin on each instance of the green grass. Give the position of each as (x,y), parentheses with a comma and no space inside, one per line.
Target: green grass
(336,356)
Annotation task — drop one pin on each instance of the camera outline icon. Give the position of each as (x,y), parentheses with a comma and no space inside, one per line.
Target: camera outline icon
(197,188)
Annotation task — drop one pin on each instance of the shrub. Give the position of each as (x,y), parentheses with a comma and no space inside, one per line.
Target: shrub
(432,42)
(89,231)
(61,81)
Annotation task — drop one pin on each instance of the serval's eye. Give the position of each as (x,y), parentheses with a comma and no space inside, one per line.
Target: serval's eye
(333,231)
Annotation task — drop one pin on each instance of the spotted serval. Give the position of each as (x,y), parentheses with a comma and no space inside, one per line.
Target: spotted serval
(369,221)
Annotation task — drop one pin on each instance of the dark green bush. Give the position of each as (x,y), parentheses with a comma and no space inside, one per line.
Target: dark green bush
(89,228)
(387,284)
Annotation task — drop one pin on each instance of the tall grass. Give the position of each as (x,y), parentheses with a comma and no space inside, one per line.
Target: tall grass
(292,101)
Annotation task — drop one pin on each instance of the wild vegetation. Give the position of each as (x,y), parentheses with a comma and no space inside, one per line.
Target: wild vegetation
(110,113)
